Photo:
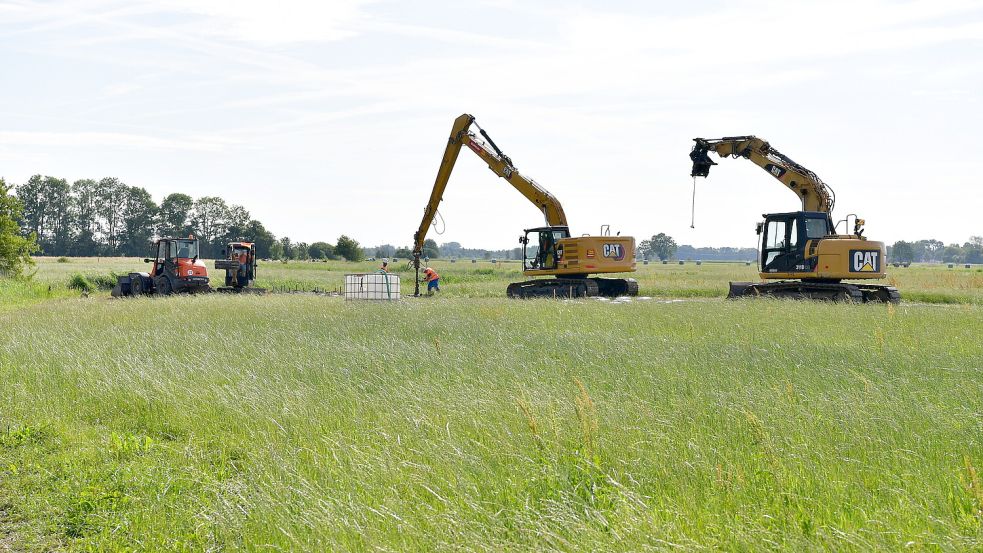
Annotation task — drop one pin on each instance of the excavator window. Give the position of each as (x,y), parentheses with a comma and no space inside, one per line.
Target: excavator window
(775,242)
(816,228)
(775,235)
(540,253)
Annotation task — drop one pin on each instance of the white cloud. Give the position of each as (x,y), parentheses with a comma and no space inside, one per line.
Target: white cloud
(123,141)
(283,21)
(339,97)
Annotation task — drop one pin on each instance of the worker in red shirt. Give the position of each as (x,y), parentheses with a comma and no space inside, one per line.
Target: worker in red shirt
(432,279)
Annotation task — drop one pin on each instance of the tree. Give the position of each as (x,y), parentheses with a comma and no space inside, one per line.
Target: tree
(264,239)
(902,252)
(276,250)
(60,237)
(238,219)
(430,249)
(33,200)
(286,248)
(403,253)
(928,250)
(210,221)
(15,249)
(321,250)
(301,251)
(451,249)
(112,195)
(663,246)
(46,213)
(644,249)
(952,254)
(85,218)
(348,248)
(973,250)
(138,222)
(173,216)
(385,250)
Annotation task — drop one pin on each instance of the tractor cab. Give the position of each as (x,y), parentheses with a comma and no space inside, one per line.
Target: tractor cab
(785,236)
(540,249)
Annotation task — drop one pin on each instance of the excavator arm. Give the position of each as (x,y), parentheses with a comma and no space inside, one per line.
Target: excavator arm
(814,193)
(498,162)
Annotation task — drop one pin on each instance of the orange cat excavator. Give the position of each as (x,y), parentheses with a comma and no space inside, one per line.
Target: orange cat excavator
(801,252)
(548,251)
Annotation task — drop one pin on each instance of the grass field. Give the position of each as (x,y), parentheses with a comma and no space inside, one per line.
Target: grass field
(472,422)
(918,283)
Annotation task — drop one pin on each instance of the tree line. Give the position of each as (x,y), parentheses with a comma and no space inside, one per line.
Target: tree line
(107,217)
(447,250)
(934,251)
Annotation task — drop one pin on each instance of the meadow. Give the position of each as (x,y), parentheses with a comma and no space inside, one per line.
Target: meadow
(918,283)
(471,422)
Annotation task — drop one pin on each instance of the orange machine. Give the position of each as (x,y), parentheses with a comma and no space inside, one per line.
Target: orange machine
(550,251)
(239,264)
(176,269)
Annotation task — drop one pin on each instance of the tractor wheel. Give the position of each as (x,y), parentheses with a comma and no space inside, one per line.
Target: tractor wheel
(164,287)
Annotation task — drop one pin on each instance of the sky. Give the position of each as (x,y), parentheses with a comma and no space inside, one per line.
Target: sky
(331,117)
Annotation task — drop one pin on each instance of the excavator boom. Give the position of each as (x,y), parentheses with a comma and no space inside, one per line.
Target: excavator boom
(814,193)
(498,162)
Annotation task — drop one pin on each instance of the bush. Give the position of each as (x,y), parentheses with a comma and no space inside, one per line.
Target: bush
(63,259)
(89,283)
(79,282)
(104,282)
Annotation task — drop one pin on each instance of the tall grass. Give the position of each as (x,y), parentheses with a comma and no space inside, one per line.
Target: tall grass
(308,423)
(918,283)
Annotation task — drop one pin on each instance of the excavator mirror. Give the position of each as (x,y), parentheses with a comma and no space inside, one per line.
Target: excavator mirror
(147,260)
(759,227)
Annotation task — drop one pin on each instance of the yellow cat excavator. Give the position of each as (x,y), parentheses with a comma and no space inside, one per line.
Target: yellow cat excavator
(802,249)
(548,251)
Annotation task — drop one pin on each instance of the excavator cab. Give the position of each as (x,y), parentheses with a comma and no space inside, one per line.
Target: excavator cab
(785,237)
(540,250)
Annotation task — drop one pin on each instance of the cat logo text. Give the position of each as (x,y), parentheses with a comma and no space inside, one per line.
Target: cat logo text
(614,251)
(864,261)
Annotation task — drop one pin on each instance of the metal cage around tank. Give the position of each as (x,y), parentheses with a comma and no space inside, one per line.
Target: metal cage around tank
(372,286)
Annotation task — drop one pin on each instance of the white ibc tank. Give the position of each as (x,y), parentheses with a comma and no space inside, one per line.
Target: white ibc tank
(371,286)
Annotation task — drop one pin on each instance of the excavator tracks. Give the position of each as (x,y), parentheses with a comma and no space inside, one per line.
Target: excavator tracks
(573,288)
(827,291)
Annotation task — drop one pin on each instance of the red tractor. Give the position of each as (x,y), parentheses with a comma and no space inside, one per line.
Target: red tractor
(176,269)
